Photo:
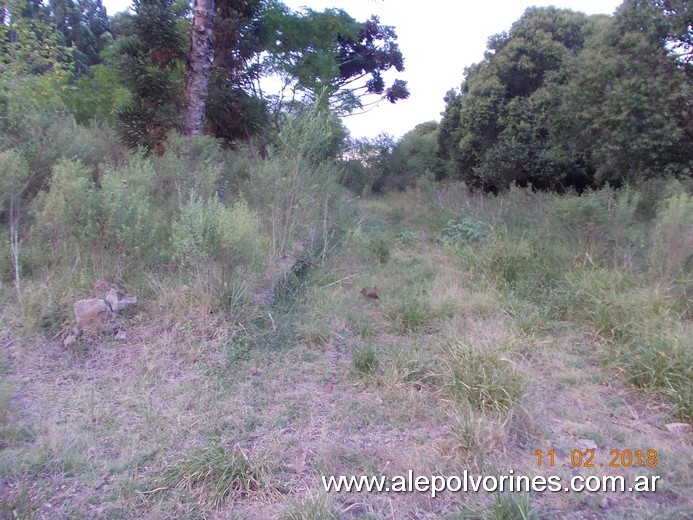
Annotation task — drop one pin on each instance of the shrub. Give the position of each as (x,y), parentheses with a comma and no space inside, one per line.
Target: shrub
(217,241)
(190,165)
(465,230)
(297,199)
(132,229)
(296,191)
(117,224)
(68,213)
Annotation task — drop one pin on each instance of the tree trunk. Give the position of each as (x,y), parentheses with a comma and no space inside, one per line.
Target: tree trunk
(199,65)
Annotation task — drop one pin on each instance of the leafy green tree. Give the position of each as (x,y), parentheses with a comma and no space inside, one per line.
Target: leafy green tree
(28,42)
(80,25)
(151,65)
(495,130)
(564,100)
(626,109)
(330,52)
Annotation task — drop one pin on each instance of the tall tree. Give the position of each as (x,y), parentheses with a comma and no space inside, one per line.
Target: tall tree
(626,109)
(150,66)
(495,131)
(199,66)
(330,52)
(235,108)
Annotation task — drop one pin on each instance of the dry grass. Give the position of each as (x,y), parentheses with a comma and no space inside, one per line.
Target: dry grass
(198,415)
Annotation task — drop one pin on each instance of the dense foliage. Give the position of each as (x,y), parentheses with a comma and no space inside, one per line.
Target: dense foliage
(564,99)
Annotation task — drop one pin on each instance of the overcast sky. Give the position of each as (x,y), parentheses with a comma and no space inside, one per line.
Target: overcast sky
(438,39)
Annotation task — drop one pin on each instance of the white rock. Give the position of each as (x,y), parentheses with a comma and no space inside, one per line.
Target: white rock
(678,428)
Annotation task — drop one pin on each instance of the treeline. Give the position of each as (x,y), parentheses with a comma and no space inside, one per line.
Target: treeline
(133,69)
(561,101)
(569,100)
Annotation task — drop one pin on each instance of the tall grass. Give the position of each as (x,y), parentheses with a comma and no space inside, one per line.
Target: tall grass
(589,260)
(215,473)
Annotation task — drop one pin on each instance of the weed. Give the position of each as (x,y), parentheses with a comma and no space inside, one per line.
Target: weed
(380,248)
(466,230)
(484,379)
(409,236)
(217,473)
(365,359)
(318,507)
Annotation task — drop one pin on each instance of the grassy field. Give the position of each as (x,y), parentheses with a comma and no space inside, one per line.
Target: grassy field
(502,326)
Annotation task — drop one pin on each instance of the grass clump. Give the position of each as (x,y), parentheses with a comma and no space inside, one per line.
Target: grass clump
(365,359)
(504,507)
(412,313)
(484,379)
(313,508)
(639,330)
(216,473)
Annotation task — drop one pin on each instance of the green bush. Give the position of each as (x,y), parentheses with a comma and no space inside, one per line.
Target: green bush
(132,226)
(68,213)
(115,225)
(466,230)
(190,165)
(216,241)
(298,201)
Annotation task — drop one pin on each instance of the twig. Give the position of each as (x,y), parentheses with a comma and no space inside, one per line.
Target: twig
(152,491)
(338,281)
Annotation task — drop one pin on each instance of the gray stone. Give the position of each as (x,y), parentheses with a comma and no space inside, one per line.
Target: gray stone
(91,313)
(120,301)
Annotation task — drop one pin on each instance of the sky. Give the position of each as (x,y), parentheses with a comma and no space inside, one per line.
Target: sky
(438,39)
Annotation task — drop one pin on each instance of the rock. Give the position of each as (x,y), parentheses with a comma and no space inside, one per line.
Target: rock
(91,313)
(679,428)
(588,444)
(70,339)
(122,335)
(120,301)
(605,503)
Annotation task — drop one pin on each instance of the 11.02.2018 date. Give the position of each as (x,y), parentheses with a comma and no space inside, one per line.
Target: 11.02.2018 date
(589,459)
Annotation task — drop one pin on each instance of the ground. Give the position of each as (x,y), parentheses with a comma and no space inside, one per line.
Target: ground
(196,416)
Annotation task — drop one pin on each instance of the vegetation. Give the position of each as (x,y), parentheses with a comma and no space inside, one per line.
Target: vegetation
(516,278)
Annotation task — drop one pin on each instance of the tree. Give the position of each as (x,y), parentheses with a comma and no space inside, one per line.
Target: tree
(495,131)
(629,101)
(199,65)
(235,108)
(151,67)
(28,43)
(329,51)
